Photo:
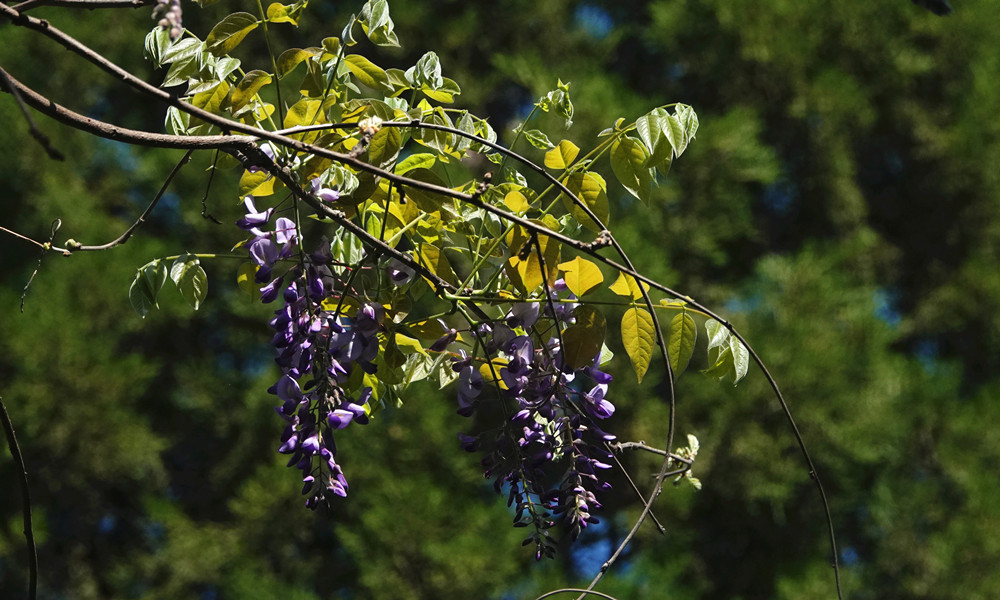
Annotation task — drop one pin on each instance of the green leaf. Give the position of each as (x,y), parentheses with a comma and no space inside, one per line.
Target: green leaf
(421,160)
(384,147)
(628,160)
(290,59)
(182,49)
(445,93)
(247,88)
(279,13)
(741,359)
(538,139)
(638,338)
(581,276)
(367,73)
(584,339)
(427,72)
(434,260)
(562,156)
(681,339)
(146,287)
(650,127)
(228,34)
(717,333)
(377,24)
(688,120)
(190,278)
(589,188)
(213,99)
(307,111)
(245,279)
(676,134)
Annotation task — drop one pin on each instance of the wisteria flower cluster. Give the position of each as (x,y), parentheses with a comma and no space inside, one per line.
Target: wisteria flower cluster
(549,453)
(318,351)
(169,16)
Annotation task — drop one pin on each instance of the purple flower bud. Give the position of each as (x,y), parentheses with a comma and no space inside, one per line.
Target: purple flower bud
(269,292)
(399,274)
(444,341)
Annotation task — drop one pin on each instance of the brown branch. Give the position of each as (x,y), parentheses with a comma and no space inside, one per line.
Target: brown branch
(22,480)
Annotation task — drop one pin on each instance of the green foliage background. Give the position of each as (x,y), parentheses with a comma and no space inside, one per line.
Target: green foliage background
(841,205)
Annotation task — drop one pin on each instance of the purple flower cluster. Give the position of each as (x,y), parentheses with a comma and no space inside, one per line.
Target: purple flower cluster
(318,351)
(549,453)
(169,16)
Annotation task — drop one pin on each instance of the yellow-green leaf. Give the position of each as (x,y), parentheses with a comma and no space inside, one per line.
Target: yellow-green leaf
(245,279)
(590,189)
(681,339)
(516,202)
(247,88)
(562,156)
(628,160)
(384,147)
(529,269)
(583,340)
(409,345)
(367,72)
(628,287)
(306,111)
(581,276)
(435,261)
(228,34)
(278,13)
(211,100)
(290,59)
(638,338)
(256,184)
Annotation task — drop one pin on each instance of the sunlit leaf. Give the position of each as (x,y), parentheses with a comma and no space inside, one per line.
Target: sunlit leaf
(590,189)
(280,13)
(434,260)
(628,160)
(681,339)
(538,139)
(229,32)
(717,333)
(516,202)
(581,276)
(190,279)
(259,184)
(290,59)
(416,161)
(367,72)
(562,156)
(628,287)
(741,359)
(247,88)
(638,337)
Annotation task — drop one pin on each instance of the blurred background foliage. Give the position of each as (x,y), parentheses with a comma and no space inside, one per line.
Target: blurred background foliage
(841,206)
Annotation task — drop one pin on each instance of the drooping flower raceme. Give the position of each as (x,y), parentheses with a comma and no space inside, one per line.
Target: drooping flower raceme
(551,426)
(317,351)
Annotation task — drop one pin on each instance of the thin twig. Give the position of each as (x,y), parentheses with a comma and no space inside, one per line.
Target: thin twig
(22,472)
(124,237)
(582,591)
(41,138)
